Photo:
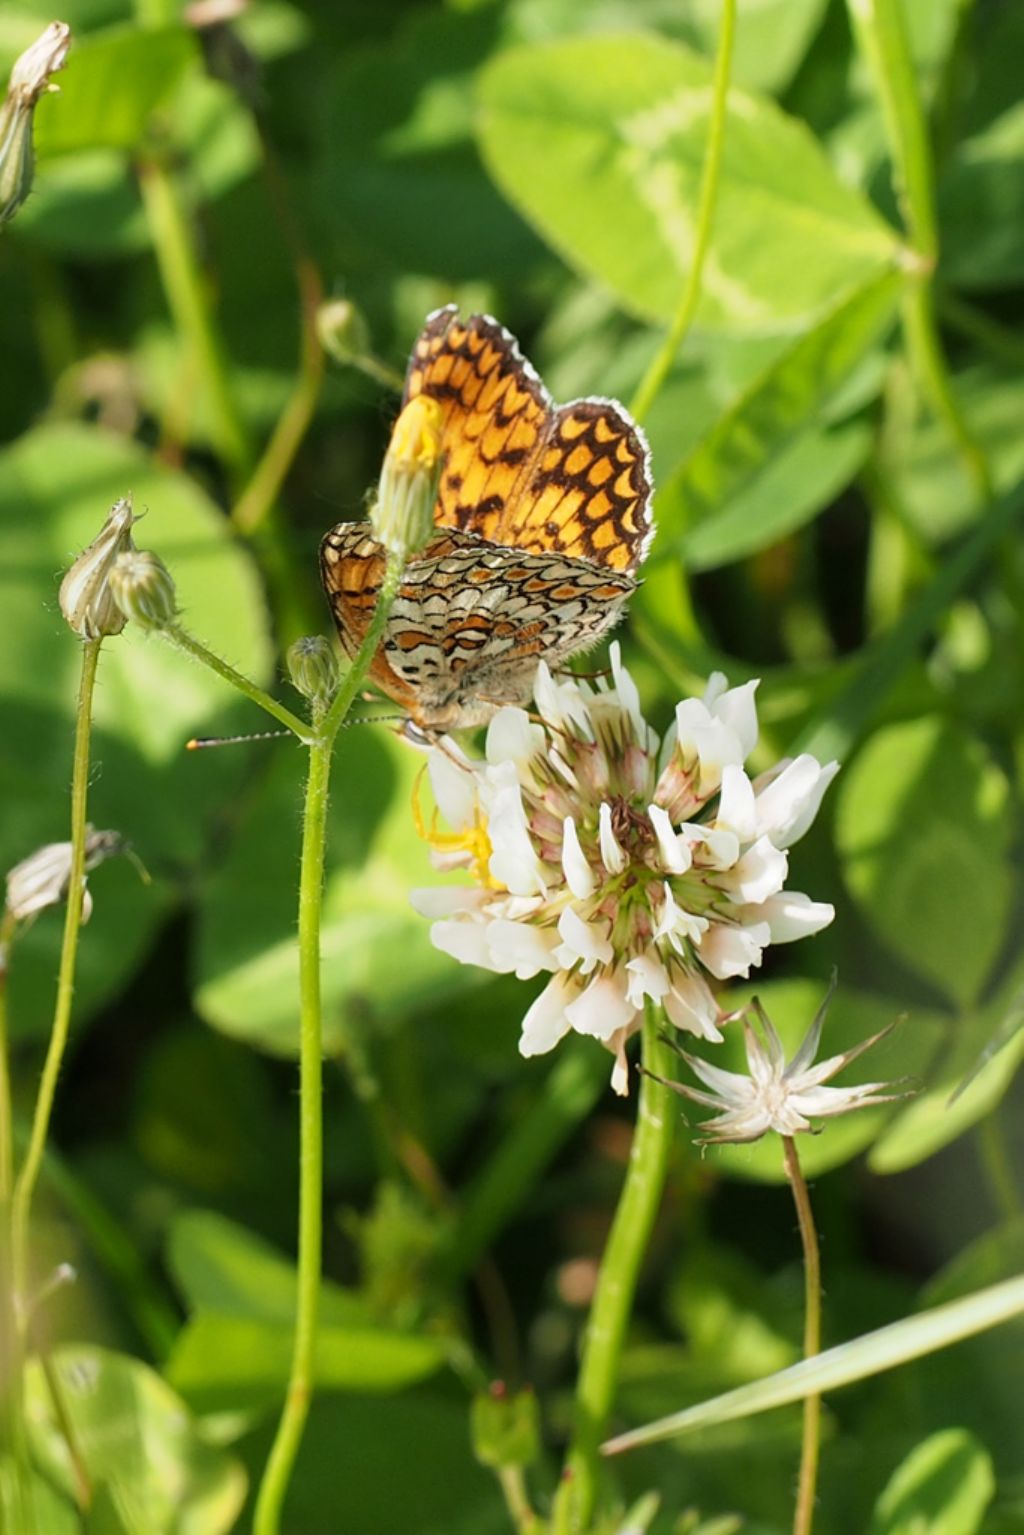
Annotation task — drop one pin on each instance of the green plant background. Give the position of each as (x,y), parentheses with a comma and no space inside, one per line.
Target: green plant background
(539,159)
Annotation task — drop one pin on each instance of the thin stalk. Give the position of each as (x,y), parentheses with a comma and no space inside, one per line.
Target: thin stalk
(803,1517)
(517,1500)
(300,1382)
(281,1462)
(998,1164)
(881,32)
(62,1417)
(187,300)
(25,1182)
(253,506)
(661,363)
(12,1408)
(616,1285)
(6,1115)
(182,640)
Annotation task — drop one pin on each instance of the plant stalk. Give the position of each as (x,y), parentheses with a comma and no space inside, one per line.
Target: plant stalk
(881,32)
(25,1183)
(281,1462)
(803,1517)
(187,300)
(661,363)
(300,1383)
(182,640)
(616,1284)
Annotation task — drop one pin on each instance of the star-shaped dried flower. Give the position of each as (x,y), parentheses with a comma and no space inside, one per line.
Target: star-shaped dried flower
(775,1094)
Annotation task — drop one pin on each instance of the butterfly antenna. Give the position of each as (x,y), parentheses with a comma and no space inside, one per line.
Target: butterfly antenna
(200,743)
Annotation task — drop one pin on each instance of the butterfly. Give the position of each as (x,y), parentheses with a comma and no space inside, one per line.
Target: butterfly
(543,519)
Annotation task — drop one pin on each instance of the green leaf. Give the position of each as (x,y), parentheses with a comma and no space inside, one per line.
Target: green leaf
(600,143)
(923,834)
(135,1437)
(761,471)
(949,1107)
(113,83)
(942,1488)
(836,727)
(861,1359)
(399,177)
(981,207)
(221,1267)
(247,958)
(56,486)
(231,1363)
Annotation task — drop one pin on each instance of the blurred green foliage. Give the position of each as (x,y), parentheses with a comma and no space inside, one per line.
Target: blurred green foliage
(540,159)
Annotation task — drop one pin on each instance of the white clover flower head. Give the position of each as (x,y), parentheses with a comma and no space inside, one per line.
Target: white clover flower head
(627,869)
(775,1094)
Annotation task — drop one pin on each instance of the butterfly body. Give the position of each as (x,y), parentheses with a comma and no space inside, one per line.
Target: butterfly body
(543,517)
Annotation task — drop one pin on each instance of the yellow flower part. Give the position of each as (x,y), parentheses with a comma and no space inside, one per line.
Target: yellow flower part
(469,847)
(416,435)
(403,516)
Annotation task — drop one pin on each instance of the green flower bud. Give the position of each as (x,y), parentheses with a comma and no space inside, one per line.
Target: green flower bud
(143,588)
(342,330)
(403,515)
(505,1427)
(313,668)
(86,599)
(30,77)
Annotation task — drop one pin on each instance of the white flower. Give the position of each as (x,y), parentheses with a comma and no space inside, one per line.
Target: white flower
(775,1095)
(630,870)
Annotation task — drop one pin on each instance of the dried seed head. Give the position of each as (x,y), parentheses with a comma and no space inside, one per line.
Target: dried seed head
(30,78)
(41,879)
(86,599)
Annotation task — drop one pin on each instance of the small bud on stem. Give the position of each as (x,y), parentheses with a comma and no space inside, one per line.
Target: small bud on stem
(403,515)
(143,588)
(313,668)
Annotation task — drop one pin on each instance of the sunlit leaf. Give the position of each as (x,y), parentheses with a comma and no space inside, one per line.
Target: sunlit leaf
(922,833)
(135,1437)
(112,83)
(600,142)
(942,1488)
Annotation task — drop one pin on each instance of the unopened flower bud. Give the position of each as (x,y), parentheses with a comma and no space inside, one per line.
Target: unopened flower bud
(313,668)
(342,330)
(403,516)
(30,77)
(41,879)
(143,588)
(86,599)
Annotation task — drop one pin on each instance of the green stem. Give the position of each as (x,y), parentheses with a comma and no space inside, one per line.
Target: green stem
(657,372)
(62,1417)
(187,300)
(998,1166)
(12,1413)
(803,1518)
(182,640)
(281,1461)
(613,1298)
(255,503)
(300,1383)
(25,1183)
(881,32)
(517,1500)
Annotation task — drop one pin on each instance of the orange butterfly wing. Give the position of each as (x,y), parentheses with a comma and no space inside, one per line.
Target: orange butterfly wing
(571,480)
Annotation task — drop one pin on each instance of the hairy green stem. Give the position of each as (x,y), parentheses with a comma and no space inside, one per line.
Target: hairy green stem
(803,1517)
(616,1284)
(661,363)
(187,300)
(300,1382)
(182,640)
(281,1461)
(25,1183)
(881,31)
